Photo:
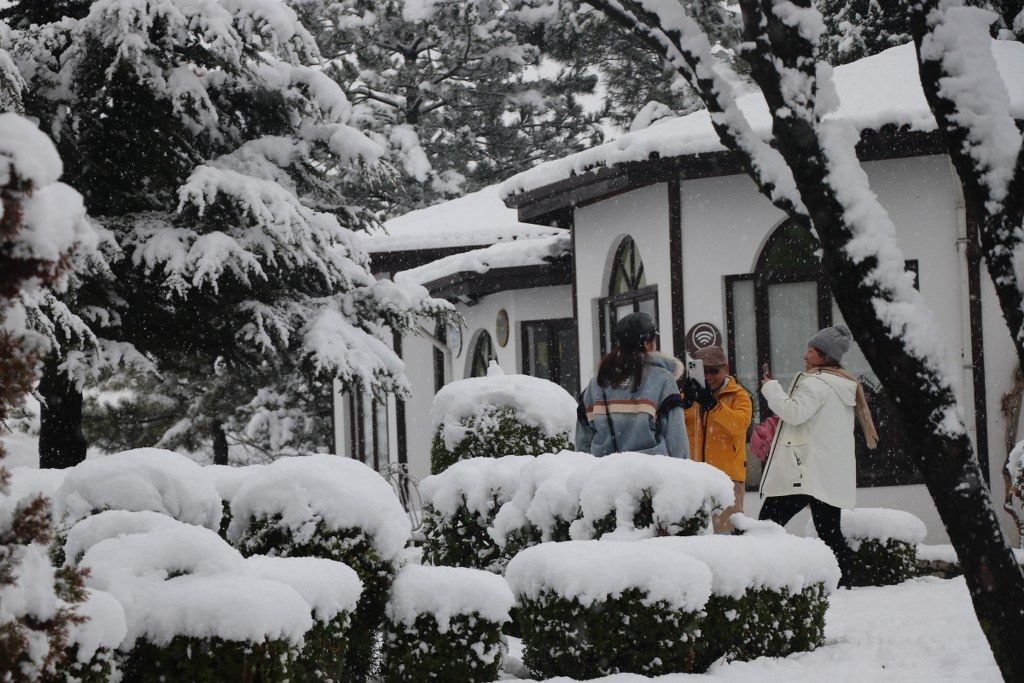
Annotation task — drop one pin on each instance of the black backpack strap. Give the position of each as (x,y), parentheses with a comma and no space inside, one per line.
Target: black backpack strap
(611,425)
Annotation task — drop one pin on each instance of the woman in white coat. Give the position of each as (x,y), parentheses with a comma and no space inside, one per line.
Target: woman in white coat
(811,461)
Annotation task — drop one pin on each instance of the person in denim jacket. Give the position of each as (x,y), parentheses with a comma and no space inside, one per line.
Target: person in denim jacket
(633,404)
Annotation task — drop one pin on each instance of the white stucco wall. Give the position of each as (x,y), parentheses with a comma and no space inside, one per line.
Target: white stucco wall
(541,303)
(643,215)
(726,223)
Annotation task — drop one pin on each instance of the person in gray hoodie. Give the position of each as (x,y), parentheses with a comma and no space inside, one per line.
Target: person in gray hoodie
(633,404)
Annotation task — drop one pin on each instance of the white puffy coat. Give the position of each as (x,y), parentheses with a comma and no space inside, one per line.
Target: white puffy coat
(813,449)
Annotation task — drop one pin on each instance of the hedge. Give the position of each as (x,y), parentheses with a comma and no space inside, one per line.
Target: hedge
(209,660)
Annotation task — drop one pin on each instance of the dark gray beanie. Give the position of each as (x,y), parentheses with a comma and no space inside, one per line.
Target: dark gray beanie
(833,341)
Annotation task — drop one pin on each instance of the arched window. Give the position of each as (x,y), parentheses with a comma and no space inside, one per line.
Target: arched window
(772,312)
(483,354)
(628,291)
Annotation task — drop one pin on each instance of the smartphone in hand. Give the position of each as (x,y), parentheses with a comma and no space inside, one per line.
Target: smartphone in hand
(695,369)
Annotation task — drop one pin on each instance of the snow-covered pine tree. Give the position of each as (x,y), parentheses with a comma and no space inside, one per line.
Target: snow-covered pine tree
(41,223)
(860,28)
(809,170)
(24,13)
(452,88)
(634,79)
(221,161)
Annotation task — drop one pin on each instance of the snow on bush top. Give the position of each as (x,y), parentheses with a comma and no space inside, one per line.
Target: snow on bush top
(482,483)
(548,490)
(475,219)
(878,524)
(679,489)
(186,580)
(104,625)
(141,479)
(328,587)
(537,403)
(873,92)
(111,524)
(774,561)
(228,479)
(29,482)
(593,571)
(340,492)
(444,592)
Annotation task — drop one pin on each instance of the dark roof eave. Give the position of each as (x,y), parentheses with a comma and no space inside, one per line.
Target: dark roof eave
(537,205)
(474,285)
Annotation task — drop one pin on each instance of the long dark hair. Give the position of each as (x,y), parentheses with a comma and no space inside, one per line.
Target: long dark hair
(622,363)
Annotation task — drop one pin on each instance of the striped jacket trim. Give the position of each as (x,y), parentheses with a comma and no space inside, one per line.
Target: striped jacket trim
(622,406)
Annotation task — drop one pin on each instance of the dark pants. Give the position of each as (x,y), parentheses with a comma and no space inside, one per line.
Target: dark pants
(781,509)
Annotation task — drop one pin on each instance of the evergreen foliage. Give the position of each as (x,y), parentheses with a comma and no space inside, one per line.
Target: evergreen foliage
(465,651)
(222,165)
(882,563)
(453,89)
(644,519)
(622,634)
(492,433)
(209,660)
(269,536)
(462,540)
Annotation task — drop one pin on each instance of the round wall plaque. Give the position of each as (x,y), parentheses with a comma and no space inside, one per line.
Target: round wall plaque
(701,336)
(501,328)
(453,337)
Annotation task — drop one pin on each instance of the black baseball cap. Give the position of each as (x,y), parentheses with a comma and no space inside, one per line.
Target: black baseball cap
(634,329)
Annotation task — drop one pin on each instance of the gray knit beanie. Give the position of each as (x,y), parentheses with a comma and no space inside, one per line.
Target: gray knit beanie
(833,341)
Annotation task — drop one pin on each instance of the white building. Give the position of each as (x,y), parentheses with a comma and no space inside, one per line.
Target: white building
(664,220)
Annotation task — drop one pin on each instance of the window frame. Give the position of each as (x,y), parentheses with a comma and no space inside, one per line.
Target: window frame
(480,335)
(551,327)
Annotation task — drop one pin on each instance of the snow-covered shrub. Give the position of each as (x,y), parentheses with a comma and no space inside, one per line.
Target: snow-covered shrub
(653,495)
(459,506)
(194,610)
(141,479)
(500,415)
(92,642)
(444,623)
(332,590)
(227,479)
(1015,465)
(593,608)
(769,591)
(330,507)
(884,544)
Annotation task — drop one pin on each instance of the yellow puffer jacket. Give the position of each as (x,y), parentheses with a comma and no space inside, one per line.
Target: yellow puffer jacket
(719,437)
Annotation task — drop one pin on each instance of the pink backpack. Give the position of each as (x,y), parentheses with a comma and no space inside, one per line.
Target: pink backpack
(761,439)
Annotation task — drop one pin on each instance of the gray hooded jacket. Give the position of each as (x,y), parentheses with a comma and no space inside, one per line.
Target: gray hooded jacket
(648,420)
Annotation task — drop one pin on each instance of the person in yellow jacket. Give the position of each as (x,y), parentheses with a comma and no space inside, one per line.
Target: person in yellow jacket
(717,417)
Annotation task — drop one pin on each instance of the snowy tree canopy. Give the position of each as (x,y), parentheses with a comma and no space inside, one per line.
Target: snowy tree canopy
(451,88)
(222,163)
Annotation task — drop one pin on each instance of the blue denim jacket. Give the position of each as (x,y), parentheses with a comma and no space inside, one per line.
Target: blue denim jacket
(648,420)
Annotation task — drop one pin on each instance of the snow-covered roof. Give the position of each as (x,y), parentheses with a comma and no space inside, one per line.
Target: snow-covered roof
(875,91)
(522,252)
(476,219)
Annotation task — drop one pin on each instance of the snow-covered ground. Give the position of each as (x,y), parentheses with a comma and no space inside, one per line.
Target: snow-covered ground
(922,630)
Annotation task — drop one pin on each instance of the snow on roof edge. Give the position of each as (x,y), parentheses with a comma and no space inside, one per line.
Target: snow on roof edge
(876,91)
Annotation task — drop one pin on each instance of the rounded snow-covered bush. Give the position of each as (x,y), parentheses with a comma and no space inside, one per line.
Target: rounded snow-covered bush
(92,642)
(193,608)
(593,608)
(142,479)
(883,544)
(330,507)
(500,415)
(111,524)
(769,590)
(332,590)
(636,494)
(459,506)
(444,623)
(227,479)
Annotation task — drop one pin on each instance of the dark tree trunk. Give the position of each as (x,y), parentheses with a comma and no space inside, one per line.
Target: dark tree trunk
(220,444)
(61,442)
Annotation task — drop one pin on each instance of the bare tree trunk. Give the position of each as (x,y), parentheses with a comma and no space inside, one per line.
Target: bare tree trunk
(220,444)
(61,442)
